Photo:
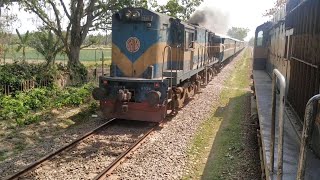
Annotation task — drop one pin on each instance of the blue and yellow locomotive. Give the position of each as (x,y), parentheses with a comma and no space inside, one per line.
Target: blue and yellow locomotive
(157,63)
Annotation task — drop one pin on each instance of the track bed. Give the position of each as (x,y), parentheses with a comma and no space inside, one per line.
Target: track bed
(91,156)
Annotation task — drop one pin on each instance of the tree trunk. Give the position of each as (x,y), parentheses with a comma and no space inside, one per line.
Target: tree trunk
(23,54)
(78,72)
(74,56)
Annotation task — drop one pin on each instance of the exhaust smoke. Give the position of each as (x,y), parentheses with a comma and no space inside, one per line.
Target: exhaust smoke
(212,19)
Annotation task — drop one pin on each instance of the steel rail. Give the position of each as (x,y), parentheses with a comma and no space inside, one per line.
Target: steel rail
(49,156)
(108,170)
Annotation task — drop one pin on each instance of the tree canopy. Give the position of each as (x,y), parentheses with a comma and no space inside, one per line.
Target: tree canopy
(238,32)
(181,9)
(277,6)
(47,44)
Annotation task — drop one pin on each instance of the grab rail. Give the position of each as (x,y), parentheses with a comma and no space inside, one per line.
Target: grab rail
(309,120)
(163,53)
(282,81)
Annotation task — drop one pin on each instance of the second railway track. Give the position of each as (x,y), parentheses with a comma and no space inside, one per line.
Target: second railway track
(93,156)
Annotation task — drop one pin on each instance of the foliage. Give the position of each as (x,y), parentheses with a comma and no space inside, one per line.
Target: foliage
(78,74)
(181,9)
(16,73)
(5,38)
(238,33)
(277,6)
(22,106)
(6,20)
(23,43)
(46,44)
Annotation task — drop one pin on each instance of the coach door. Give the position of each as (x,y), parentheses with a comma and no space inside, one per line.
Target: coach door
(260,50)
(189,48)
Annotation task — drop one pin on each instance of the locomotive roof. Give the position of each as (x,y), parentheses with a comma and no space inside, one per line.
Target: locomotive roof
(186,24)
(227,37)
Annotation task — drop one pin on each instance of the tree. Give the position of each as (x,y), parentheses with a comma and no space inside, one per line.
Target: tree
(238,33)
(277,6)
(181,9)
(23,43)
(6,21)
(82,17)
(47,44)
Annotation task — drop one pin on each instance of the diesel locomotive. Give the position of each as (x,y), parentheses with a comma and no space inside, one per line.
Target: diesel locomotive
(287,49)
(157,63)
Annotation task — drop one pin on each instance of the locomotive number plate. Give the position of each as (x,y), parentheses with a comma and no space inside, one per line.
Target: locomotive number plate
(133,44)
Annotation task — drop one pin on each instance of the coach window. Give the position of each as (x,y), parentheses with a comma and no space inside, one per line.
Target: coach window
(260,39)
(189,40)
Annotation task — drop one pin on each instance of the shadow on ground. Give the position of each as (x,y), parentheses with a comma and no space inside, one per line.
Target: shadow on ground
(234,153)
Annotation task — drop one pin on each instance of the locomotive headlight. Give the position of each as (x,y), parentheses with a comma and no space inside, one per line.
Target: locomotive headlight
(99,94)
(135,14)
(128,14)
(153,98)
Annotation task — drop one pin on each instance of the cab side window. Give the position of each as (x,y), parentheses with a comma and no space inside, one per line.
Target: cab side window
(259,40)
(189,40)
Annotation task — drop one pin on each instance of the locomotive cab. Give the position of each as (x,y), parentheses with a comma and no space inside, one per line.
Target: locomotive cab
(136,89)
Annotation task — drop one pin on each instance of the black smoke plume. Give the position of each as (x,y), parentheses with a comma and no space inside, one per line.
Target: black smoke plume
(212,19)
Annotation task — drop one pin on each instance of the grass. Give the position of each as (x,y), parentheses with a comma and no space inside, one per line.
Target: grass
(214,152)
(3,155)
(86,54)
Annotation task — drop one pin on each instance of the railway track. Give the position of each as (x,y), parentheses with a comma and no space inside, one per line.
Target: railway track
(59,156)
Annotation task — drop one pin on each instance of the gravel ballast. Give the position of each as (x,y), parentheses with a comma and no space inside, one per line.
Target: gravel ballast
(164,154)
(46,137)
(93,154)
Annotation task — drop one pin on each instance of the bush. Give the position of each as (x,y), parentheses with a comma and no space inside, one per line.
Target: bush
(16,73)
(73,96)
(22,106)
(13,108)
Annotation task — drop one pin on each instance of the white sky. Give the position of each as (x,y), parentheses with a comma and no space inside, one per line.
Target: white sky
(242,13)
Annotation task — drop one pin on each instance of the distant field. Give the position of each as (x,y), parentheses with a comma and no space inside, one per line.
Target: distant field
(85,55)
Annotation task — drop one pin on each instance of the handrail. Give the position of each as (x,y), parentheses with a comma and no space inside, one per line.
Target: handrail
(282,81)
(304,62)
(163,53)
(309,120)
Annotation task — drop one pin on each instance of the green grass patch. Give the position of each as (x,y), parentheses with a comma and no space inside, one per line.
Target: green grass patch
(215,151)
(3,155)
(86,54)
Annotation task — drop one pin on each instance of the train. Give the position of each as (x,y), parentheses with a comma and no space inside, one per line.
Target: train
(158,62)
(286,83)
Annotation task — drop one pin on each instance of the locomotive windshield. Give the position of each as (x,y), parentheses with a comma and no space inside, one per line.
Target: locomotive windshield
(133,15)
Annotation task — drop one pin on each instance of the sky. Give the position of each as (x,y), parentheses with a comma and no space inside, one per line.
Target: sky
(241,13)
